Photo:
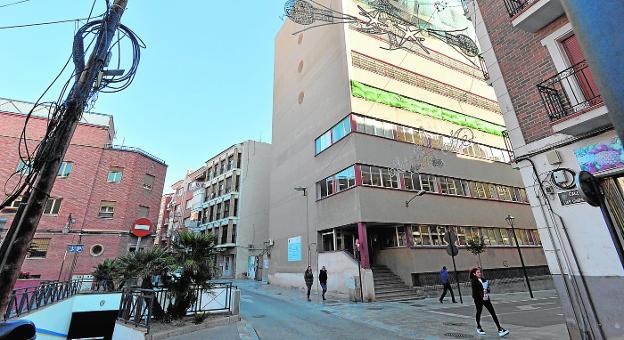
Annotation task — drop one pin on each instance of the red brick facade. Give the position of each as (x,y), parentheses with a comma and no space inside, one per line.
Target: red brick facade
(82,192)
(524,63)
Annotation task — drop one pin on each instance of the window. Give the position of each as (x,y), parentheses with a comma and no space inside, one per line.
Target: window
(221,188)
(506,237)
(239,159)
(461,235)
(230,161)
(212,210)
(107,209)
(235,212)
(477,189)
(522,237)
(148,181)
(328,241)
(224,234)
(209,172)
(218,212)
(389,181)
(228,185)
(447,186)
(376,176)
(428,183)
(365,171)
(237,183)
(115,174)
(38,248)
(3,222)
(321,189)
(52,207)
(400,231)
(226,209)
(504,193)
(97,250)
(330,185)
(323,142)
(425,236)
(345,179)
(65,169)
(233,233)
(341,129)
(143,211)
(436,236)
(222,166)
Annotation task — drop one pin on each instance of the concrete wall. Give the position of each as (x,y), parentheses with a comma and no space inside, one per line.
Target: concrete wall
(127,332)
(343,277)
(311,94)
(253,224)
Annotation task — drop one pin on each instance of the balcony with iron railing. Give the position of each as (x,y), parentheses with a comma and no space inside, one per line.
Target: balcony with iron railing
(573,101)
(532,15)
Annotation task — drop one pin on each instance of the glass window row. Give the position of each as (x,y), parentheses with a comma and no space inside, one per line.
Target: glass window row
(224,165)
(412,181)
(341,181)
(375,127)
(333,135)
(433,235)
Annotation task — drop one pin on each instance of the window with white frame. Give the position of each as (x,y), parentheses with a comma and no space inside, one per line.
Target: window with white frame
(107,209)
(53,205)
(65,169)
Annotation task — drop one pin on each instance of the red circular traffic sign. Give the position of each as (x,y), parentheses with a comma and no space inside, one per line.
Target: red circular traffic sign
(141,227)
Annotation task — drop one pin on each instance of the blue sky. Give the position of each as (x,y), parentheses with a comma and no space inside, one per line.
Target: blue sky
(205,80)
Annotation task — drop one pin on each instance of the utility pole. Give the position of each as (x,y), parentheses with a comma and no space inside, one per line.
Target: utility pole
(25,225)
(598,26)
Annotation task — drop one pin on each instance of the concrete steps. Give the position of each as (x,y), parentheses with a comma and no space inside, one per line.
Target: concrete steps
(389,287)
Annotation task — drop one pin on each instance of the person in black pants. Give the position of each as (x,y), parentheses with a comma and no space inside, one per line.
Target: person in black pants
(444,278)
(309,280)
(481,296)
(323,280)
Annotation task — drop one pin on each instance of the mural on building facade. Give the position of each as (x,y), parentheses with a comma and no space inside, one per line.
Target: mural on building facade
(601,157)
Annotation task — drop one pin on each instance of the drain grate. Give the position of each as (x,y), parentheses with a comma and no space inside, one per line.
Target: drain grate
(258,316)
(458,336)
(374,308)
(458,324)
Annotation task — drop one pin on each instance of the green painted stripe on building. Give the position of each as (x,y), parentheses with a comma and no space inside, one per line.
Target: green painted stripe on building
(376,95)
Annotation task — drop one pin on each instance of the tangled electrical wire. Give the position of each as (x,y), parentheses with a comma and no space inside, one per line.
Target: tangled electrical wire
(32,158)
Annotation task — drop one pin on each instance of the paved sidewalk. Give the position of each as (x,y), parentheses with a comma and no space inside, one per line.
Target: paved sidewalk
(271,312)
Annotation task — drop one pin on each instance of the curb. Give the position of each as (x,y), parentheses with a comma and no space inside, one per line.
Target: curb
(193,328)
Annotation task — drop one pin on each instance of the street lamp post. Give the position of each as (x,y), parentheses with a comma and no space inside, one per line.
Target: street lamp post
(510,219)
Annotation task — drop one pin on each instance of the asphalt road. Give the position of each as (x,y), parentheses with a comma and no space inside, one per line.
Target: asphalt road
(274,318)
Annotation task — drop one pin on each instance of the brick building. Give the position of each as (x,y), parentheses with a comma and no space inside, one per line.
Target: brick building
(100,191)
(558,125)
(163,232)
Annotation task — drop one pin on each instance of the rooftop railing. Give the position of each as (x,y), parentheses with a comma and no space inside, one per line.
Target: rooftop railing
(570,91)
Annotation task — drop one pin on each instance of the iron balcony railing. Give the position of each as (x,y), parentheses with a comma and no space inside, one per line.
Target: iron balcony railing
(570,91)
(516,6)
(24,300)
(137,305)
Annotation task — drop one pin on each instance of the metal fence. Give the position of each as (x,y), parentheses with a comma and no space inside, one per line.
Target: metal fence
(137,304)
(516,6)
(570,91)
(24,300)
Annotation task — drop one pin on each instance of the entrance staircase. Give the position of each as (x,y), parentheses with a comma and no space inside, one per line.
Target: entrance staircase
(389,287)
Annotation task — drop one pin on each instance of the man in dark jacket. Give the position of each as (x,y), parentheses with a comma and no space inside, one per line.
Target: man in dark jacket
(309,280)
(444,278)
(323,280)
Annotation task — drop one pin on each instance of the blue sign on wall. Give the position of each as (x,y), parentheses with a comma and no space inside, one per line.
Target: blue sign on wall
(294,249)
(75,248)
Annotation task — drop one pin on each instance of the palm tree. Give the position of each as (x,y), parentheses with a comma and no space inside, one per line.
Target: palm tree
(142,265)
(106,273)
(196,256)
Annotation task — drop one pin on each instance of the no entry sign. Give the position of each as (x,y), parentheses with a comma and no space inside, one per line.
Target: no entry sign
(141,227)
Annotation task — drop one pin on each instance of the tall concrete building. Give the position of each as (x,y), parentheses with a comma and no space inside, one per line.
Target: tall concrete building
(558,126)
(359,132)
(228,197)
(100,191)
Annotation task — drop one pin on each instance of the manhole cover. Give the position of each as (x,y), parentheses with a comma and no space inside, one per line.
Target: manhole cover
(258,316)
(458,324)
(374,308)
(458,335)
(325,311)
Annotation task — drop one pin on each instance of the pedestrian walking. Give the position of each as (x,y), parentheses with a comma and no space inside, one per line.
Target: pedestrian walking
(309,280)
(481,296)
(323,280)
(444,278)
